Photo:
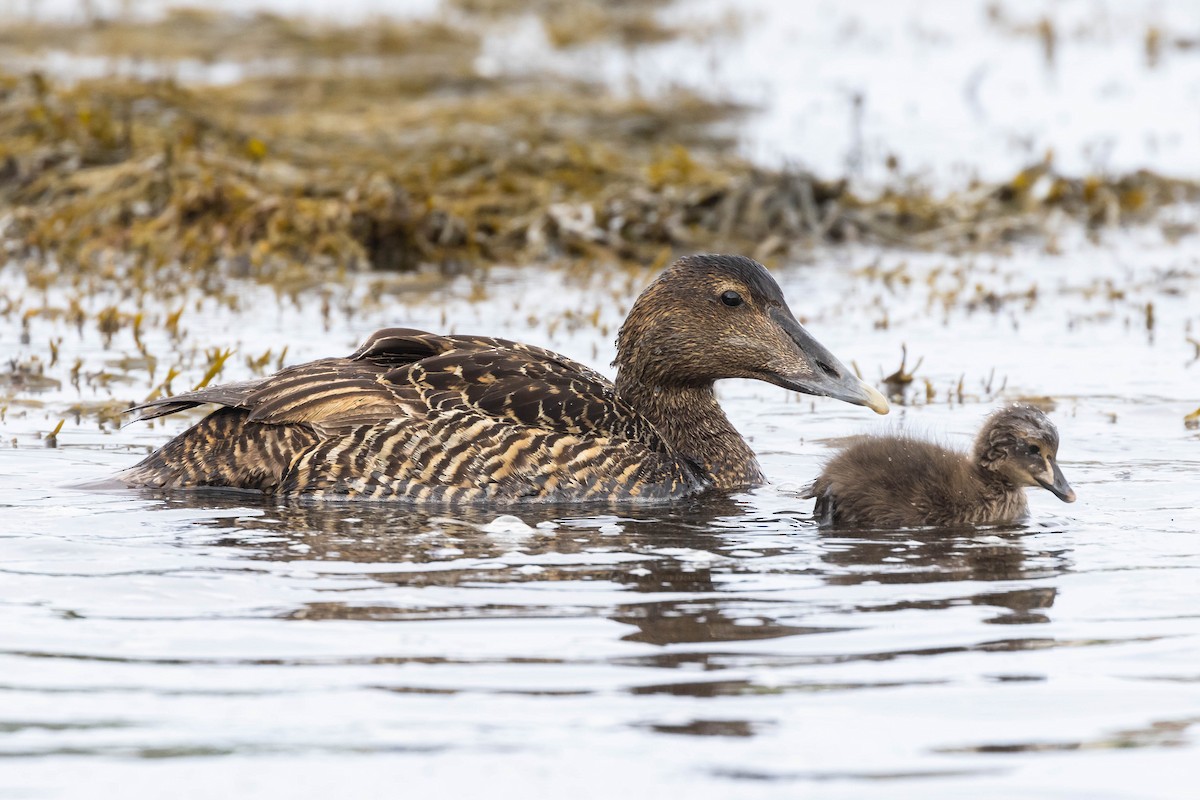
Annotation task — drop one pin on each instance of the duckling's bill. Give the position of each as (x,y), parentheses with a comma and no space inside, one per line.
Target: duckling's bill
(1058,484)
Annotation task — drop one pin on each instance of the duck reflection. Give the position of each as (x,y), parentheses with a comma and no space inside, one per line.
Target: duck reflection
(479,546)
(950,556)
(684,556)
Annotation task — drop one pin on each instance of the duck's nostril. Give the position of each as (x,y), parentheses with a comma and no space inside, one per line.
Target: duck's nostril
(828,370)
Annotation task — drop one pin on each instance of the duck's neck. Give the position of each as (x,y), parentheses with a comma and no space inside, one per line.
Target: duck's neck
(691,421)
(1005,501)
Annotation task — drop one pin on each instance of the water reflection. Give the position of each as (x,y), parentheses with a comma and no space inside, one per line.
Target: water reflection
(641,551)
(942,556)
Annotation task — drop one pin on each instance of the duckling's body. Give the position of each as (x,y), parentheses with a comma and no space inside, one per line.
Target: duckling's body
(901,481)
(426,418)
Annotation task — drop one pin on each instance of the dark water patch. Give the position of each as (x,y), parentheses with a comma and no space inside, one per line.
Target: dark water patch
(747,687)
(934,556)
(738,728)
(20,726)
(344,611)
(689,622)
(1021,602)
(271,662)
(152,752)
(434,690)
(820,777)
(1166,733)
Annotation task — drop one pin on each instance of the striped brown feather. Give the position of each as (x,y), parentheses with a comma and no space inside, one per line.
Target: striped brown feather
(224,449)
(411,461)
(228,394)
(417,416)
(525,389)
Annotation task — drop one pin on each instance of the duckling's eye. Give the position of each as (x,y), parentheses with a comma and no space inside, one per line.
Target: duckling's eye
(731,299)
(1034,450)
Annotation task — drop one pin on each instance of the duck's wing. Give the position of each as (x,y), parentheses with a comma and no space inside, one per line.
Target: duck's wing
(264,425)
(326,394)
(491,421)
(267,423)
(323,385)
(527,388)
(420,416)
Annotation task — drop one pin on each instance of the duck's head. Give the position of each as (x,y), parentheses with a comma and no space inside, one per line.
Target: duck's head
(709,317)
(1020,443)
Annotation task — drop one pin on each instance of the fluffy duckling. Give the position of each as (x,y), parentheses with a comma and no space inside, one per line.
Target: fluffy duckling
(900,481)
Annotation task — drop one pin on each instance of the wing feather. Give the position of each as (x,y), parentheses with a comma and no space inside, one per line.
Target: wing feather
(421,416)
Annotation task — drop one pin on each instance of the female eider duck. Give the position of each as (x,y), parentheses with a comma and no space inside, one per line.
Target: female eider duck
(900,482)
(438,419)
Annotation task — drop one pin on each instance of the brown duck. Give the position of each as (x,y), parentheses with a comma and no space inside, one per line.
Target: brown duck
(900,481)
(437,419)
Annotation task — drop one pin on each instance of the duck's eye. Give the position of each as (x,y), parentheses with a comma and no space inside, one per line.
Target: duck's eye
(1034,450)
(731,298)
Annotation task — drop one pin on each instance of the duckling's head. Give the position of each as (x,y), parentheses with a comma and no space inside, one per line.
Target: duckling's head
(1020,444)
(708,317)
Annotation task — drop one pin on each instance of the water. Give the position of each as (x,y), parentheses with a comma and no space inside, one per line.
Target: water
(216,643)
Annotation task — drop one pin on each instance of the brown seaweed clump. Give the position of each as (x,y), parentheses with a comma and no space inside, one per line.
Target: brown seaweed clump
(382,146)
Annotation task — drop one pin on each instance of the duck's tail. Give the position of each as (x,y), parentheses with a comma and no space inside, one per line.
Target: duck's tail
(227,449)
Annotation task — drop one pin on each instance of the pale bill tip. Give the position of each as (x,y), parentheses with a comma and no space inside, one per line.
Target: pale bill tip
(873,400)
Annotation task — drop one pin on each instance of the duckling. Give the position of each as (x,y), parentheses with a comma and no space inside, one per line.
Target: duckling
(425,418)
(901,481)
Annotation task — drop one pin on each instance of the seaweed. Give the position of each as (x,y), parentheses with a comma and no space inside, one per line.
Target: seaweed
(383,146)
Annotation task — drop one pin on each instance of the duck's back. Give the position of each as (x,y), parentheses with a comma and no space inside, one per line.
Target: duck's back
(898,481)
(428,418)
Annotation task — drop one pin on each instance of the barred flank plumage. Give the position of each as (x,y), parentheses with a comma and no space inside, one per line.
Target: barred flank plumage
(416,416)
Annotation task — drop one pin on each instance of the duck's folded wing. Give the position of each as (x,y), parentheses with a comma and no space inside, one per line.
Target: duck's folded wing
(396,347)
(525,388)
(228,394)
(494,424)
(419,416)
(330,394)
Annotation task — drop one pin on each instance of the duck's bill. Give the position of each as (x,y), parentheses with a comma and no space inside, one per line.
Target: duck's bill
(819,373)
(1058,485)
(848,390)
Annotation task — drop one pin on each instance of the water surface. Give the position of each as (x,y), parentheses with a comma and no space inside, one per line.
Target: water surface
(207,643)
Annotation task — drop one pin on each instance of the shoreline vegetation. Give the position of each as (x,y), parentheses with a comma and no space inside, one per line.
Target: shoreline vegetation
(383,146)
(145,163)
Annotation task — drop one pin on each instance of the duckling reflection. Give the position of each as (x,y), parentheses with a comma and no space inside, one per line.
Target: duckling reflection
(932,556)
(900,481)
